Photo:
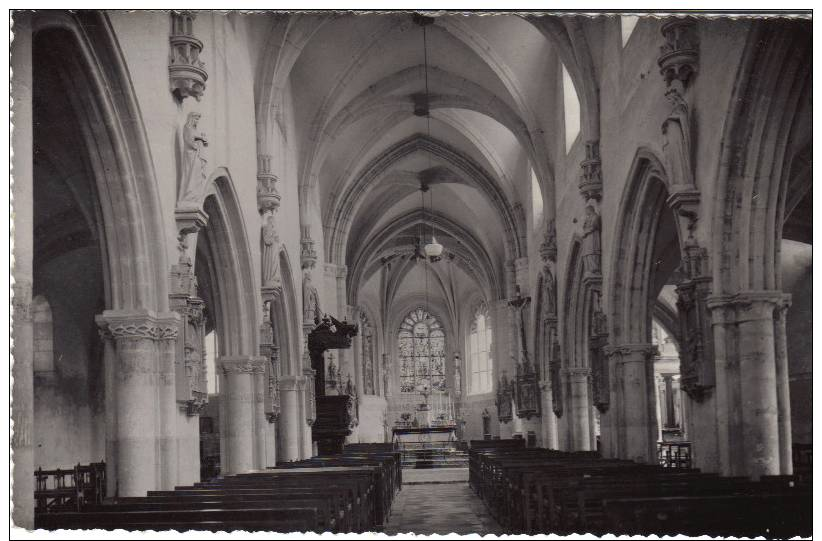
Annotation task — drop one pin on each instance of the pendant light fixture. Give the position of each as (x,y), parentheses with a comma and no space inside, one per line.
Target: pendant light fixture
(433,249)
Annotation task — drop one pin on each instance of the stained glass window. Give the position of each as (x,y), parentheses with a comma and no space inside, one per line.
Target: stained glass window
(479,351)
(421,342)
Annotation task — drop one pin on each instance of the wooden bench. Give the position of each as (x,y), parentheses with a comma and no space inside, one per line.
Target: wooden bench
(769,515)
(278,519)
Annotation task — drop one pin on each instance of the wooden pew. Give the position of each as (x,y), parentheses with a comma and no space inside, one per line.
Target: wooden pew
(769,515)
(278,519)
(346,493)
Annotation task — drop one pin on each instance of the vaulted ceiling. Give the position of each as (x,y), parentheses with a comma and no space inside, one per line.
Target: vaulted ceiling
(356,81)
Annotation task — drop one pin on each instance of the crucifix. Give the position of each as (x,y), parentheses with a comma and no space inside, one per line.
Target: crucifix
(520,304)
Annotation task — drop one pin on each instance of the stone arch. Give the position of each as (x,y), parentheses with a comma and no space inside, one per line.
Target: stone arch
(568,37)
(341,218)
(486,275)
(647,250)
(229,269)
(285,315)
(768,123)
(106,107)
(643,202)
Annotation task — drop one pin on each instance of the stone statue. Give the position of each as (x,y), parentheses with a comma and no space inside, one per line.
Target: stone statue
(192,366)
(549,295)
(676,133)
(591,241)
(311,300)
(270,256)
(193,173)
(457,375)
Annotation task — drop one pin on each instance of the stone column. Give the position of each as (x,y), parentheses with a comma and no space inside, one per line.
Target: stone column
(783,397)
(22,408)
(579,406)
(238,395)
(633,364)
(758,384)
(135,386)
(110,393)
(290,419)
(261,424)
(728,416)
(307,449)
(167,402)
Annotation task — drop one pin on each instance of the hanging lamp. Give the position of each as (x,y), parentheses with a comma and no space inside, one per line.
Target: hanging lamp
(433,249)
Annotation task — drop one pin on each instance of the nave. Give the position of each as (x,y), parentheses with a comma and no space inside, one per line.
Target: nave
(249,242)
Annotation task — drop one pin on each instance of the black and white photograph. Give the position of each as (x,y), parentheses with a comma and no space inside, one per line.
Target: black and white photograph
(383,272)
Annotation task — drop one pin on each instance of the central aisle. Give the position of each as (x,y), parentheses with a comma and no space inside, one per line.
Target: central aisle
(441,507)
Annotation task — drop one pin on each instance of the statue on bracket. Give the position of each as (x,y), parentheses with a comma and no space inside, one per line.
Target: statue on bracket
(270,255)
(193,171)
(676,138)
(591,241)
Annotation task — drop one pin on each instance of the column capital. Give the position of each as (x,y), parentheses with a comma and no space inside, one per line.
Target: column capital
(576,371)
(290,383)
(631,352)
(138,324)
(748,305)
(242,365)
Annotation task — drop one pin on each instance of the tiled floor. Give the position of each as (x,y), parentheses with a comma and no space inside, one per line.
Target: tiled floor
(439,508)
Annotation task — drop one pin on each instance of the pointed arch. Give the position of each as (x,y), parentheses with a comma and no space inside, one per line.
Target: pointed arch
(111,123)
(225,248)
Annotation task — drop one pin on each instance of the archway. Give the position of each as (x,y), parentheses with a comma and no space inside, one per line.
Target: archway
(97,217)
(647,254)
(223,270)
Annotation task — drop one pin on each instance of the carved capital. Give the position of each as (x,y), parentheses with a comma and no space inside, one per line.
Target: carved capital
(576,372)
(187,74)
(679,55)
(242,365)
(627,353)
(290,383)
(139,324)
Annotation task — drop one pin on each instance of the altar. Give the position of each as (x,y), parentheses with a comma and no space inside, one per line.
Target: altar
(424,436)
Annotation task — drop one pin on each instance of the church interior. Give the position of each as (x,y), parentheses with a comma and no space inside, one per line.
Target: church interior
(299,271)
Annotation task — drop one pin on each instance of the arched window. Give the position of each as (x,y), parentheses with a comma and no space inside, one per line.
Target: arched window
(571,105)
(479,351)
(43,334)
(421,342)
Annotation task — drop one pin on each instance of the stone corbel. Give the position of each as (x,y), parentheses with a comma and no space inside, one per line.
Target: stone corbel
(189,223)
(684,201)
(268,198)
(186,72)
